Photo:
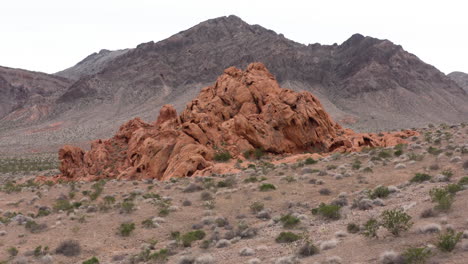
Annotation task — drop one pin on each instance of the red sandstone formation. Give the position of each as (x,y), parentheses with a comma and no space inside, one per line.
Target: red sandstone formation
(242,111)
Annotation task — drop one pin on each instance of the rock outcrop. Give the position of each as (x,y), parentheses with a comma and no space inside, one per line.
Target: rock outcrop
(242,111)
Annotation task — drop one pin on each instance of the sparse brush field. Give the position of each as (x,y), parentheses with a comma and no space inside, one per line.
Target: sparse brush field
(30,163)
(406,204)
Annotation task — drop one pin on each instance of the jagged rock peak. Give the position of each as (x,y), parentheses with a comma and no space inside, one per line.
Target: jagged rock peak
(242,111)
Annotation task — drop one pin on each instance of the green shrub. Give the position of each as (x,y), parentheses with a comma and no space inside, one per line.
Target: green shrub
(416,255)
(447,173)
(434,151)
(127,207)
(192,236)
(420,177)
(463,181)
(63,204)
(92,260)
(12,251)
(222,156)
(310,161)
(371,227)
(289,221)
(39,251)
(287,237)
(356,165)
(352,228)
(384,154)
(257,207)
(308,249)
(379,192)
(442,197)
(398,153)
(396,221)
(126,229)
(449,240)
(148,223)
(160,256)
(454,188)
(34,227)
(331,211)
(267,187)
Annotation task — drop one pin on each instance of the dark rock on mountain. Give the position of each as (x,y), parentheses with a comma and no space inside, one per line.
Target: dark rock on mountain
(28,96)
(92,64)
(370,82)
(460,78)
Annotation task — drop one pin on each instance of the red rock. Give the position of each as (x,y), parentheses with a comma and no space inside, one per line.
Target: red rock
(242,111)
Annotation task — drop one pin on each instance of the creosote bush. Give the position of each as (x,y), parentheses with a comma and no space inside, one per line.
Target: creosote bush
(222,156)
(379,192)
(289,221)
(69,248)
(256,207)
(126,229)
(371,227)
(420,177)
(396,221)
(192,236)
(287,237)
(92,260)
(267,187)
(442,197)
(447,241)
(415,255)
(310,161)
(352,228)
(330,211)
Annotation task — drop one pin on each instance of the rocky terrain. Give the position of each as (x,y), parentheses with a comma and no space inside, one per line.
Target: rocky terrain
(460,78)
(364,83)
(242,113)
(403,204)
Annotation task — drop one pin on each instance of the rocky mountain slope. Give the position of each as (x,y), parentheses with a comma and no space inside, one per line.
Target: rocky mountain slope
(460,78)
(243,112)
(28,96)
(374,82)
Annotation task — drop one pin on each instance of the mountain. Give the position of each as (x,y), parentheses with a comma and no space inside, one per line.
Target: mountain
(91,65)
(460,78)
(364,83)
(27,96)
(373,82)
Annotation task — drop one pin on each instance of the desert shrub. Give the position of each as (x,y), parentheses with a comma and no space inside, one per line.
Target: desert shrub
(257,153)
(447,173)
(125,229)
(192,236)
(331,211)
(251,179)
(69,248)
(463,181)
(442,197)
(12,251)
(160,256)
(289,179)
(454,188)
(63,204)
(39,251)
(287,237)
(127,207)
(97,187)
(367,170)
(267,187)
(34,227)
(384,154)
(325,191)
(447,241)
(415,255)
(398,152)
(415,157)
(92,260)
(433,151)
(428,213)
(43,211)
(371,227)
(331,167)
(148,223)
(352,228)
(310,161)
(163,211)
(206,196)
(420,177)
(289,221)
(256,207)
(379,192)
(308,249)
(227,183)
(356,165)
(396,221)
(151,196)
(222,156)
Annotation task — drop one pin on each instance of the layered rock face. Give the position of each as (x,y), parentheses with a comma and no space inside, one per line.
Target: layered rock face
(242,111)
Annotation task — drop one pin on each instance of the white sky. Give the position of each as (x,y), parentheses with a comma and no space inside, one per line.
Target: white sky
(51,35)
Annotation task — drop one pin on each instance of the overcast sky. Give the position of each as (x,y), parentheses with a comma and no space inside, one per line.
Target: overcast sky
(51,35)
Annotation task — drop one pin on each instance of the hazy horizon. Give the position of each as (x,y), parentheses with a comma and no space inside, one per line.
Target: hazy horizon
(52,35)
